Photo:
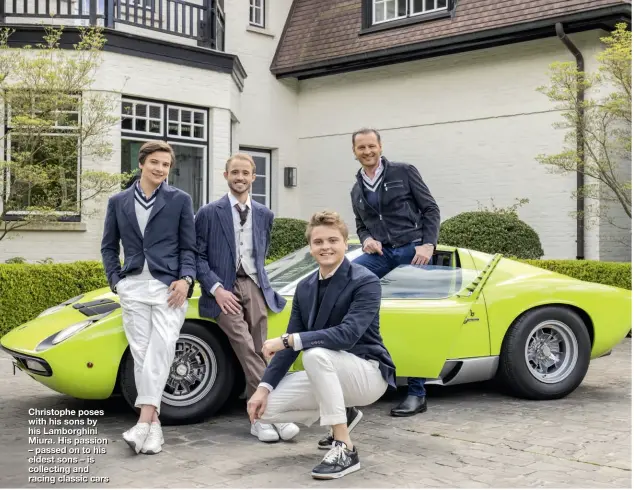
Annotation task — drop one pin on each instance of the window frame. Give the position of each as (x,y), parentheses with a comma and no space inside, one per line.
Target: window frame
(268,184)
(369,25)
(59,132)
(205,163)
(252,9)
(171,139)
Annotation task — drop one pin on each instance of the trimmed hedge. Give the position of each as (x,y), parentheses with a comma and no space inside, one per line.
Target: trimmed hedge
(492,232)
(617,274)
(28,289)
(287,235)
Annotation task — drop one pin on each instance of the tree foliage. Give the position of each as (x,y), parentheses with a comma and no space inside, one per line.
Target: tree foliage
(604,119)
(54,122)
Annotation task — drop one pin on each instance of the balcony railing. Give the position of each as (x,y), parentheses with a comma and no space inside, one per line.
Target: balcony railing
(199,20)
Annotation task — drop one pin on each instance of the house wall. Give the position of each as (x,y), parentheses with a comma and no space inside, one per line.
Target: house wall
(269,106)
(138,78)
(472,123)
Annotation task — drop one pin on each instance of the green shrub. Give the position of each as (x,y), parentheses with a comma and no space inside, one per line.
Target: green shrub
(617,274)
(492,232)
(28,289)
(288,235)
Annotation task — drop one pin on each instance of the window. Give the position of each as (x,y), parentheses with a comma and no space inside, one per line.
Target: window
(381,12)
(261,188)
(219,37)
(425,282)
(43,168)
(184,128)
(142,117)
(386,10)
(186,123)
(256,12)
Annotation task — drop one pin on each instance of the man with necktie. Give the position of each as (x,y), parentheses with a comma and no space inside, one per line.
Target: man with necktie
(233,235)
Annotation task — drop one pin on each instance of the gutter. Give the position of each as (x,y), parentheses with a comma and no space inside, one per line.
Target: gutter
(498,36)
(580,138)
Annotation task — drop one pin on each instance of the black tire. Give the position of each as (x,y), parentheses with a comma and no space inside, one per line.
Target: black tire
(207,394)
(514,371)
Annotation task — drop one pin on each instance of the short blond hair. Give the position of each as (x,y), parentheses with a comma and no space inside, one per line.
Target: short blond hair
(240,156)
(326,218)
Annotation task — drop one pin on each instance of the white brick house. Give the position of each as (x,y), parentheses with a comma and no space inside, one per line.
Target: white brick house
(450,84)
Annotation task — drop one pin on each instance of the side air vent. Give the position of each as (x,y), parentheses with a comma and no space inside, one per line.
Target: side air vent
(97,307)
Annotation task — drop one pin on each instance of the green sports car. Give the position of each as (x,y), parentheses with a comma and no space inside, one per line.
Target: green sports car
(466,317)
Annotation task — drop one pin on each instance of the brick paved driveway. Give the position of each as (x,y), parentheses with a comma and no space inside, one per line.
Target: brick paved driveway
(470,437)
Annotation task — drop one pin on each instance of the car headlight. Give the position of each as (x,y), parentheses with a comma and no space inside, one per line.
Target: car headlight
(58,307)
(70,331)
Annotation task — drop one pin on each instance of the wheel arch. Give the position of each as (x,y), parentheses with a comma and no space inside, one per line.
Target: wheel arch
(585,317)
(239,381)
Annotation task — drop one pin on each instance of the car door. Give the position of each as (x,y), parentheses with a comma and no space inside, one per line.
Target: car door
(423,311)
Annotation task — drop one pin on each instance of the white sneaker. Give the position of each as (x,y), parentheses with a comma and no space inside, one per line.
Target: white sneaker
(136,436)
(264,432)
(154,442)
(286,431)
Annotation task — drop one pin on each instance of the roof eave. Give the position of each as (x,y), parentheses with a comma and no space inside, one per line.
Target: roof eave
(602,18)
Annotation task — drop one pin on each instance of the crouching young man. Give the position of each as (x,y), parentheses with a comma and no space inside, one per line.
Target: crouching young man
(335,321)
(155,224)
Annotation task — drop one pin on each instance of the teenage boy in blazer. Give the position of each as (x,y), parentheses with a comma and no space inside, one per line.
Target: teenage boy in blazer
(335,322)
(155,224)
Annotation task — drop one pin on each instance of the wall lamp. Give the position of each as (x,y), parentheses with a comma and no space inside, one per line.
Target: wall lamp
(290,176)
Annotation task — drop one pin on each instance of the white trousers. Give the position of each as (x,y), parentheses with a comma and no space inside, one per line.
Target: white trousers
(331,381)
(152,328)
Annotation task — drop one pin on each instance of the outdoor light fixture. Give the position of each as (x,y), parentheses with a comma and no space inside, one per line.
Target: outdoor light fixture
(290,176)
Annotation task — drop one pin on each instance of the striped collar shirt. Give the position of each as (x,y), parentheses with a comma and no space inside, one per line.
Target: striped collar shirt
(139,196)
(372,183)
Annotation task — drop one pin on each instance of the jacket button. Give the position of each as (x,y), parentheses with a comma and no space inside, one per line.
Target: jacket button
(145,249)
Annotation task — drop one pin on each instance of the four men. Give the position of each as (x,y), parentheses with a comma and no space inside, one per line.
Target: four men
(335,312)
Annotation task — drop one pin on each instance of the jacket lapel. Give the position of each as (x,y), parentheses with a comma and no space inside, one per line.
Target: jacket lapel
(339,281)
(130,211)
(159,203)
(311,291)
(226,222)
(255,226)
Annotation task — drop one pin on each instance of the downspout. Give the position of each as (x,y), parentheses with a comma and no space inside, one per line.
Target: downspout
(580,140)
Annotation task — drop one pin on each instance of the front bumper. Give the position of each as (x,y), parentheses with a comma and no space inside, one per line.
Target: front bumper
(30,364)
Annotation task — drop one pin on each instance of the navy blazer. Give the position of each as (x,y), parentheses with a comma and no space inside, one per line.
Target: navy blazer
(347,320)
(217,259)
(168,244)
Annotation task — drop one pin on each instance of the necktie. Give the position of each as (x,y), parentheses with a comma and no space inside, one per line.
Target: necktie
(243,214)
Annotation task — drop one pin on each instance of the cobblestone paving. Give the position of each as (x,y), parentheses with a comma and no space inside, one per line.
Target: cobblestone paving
(471,436)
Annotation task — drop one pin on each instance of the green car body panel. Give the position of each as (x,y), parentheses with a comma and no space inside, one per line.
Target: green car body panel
(421,334)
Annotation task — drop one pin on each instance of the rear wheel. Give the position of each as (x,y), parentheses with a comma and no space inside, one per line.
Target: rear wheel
(200,380)
(545,354)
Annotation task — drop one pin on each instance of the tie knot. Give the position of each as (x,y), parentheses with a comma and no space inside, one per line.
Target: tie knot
(243,213)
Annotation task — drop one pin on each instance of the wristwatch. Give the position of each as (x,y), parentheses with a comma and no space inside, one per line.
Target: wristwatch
(285,341)
(188,280)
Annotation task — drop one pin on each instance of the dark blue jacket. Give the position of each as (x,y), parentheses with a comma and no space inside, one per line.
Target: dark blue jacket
(168,244)
(216,246)
(405,211)
(347,320)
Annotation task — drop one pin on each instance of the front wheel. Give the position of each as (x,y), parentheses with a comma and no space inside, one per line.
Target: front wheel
(545,354)
(200,380)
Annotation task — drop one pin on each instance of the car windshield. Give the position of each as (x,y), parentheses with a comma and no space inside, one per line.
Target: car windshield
(284,274)
(406,282)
